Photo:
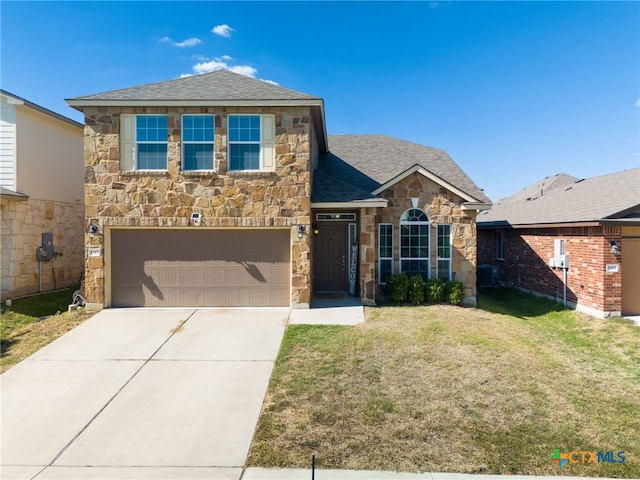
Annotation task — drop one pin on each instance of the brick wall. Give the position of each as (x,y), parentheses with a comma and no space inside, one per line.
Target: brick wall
(526,264)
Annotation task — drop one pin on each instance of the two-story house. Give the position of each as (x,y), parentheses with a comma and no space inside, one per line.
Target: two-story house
(223,190)
(41,178)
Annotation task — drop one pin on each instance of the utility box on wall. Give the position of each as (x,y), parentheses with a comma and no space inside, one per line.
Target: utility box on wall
(558,251)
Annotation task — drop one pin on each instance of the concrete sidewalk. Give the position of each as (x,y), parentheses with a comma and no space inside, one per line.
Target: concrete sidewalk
(305,474)
(141,393)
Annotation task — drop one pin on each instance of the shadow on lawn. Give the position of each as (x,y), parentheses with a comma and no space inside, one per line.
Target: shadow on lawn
(510,301)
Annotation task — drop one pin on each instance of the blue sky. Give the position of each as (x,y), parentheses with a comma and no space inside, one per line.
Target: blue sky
(513,91)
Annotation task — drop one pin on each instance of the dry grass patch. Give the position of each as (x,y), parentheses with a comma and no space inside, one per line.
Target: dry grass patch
(21,334)
(450,389)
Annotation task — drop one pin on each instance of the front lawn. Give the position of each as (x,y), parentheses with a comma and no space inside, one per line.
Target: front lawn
(30,323)
(491,390)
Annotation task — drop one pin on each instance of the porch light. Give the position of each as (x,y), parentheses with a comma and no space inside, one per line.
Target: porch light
(300,231)
(614,247)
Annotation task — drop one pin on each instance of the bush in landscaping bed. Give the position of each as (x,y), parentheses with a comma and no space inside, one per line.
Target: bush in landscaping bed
(434,290)
(416,289)
(397,287)
(455,292)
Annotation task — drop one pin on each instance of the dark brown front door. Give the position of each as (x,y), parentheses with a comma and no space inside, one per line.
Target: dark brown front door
(331,258)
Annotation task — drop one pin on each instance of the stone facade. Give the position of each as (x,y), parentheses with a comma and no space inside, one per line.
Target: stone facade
(368,255)
(166,199)
(590,288)
(441,207)
(23,223)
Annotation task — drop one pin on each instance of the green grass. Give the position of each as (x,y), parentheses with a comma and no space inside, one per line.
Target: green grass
(439,388)
(21,332)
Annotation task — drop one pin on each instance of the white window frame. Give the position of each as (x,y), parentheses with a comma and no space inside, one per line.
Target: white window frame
(380,257)
(198,142)
(438,257)
(155,142)
(419,223)
(129,142)
(335,217)
(266,143)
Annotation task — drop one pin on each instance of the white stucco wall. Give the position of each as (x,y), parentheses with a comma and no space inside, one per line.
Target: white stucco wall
(50,157)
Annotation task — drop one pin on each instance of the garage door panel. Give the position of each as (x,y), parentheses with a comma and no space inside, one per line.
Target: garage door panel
(200,267)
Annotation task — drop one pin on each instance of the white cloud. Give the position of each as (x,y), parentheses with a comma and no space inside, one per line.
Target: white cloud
(219,63)
(223,30)
(189,42)
(638,103)
(222,62)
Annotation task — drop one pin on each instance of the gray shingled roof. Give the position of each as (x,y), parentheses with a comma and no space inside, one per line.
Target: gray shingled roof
(587,200)
(540,188)
(337,181)
(368,161)
(214,86)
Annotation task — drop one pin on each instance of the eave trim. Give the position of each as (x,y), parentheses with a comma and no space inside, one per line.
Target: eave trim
(431,176)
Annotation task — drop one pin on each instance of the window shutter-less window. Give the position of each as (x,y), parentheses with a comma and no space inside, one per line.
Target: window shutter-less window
(127,142)
(268,143)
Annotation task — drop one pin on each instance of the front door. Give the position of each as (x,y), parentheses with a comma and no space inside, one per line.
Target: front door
(331,258)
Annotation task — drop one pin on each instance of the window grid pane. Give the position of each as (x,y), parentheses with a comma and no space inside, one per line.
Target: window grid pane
(152,156)
(244,157)
(244,142)
(385,252)
(151,142)
(198,135)
(414,243)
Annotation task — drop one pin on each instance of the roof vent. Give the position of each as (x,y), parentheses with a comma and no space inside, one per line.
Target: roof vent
(568,188)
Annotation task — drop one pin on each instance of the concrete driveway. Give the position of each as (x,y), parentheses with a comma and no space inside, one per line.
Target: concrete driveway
(141,393)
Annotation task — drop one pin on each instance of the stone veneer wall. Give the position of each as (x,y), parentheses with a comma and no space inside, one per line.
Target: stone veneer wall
(224,199)
(442,207)
(23,223)
(368,255)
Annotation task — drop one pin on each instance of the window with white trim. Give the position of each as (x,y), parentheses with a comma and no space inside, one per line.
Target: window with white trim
(151,142)
(251,141)
(385,252)
(198,137)
(443,267)
(414,243)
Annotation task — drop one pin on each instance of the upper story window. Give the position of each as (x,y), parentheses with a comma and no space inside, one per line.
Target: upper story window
(251,142)
(198,142)
(151,142)
(244,142)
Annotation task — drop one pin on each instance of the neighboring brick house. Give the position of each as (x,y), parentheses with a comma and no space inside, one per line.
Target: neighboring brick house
(595,221)
(220,189)
(41,176)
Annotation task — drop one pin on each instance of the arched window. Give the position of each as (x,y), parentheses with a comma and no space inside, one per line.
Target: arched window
(414,243)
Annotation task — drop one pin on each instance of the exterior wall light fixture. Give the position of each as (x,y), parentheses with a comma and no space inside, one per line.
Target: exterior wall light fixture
(300,231)
(614,247)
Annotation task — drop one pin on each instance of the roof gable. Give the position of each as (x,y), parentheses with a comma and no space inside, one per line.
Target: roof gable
(426,173)
(220,85)
(382,159)
(586,200)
